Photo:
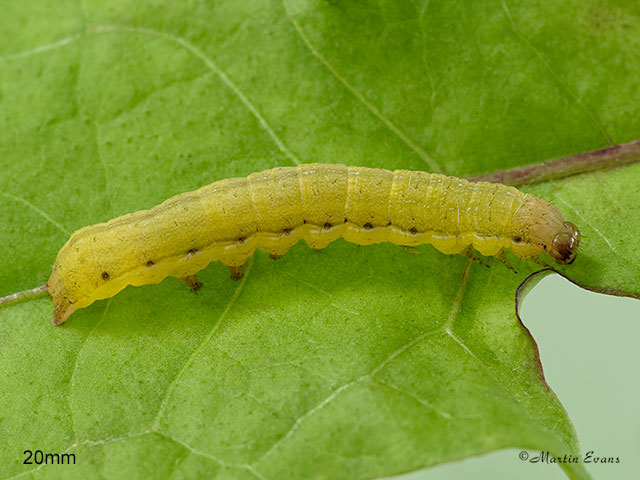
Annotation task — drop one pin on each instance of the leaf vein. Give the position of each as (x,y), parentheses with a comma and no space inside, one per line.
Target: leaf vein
(185,44)
(344,387)
(43,48)
(75,367)
(37,210)
(372,108)
(416,398)
(214,68)
(201,345)
(556,76)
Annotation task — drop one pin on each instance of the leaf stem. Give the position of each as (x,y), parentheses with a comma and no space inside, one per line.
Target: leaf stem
(14,298)
(606,158)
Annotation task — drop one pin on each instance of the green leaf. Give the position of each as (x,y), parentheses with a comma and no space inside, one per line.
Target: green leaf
(355,362)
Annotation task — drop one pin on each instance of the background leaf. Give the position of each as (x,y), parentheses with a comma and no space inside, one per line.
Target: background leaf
(356,362)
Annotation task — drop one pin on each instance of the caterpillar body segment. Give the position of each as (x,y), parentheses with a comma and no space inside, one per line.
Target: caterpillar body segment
(319,203)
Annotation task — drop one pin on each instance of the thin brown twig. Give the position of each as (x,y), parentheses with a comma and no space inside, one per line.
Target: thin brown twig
(603,159)
(14,298)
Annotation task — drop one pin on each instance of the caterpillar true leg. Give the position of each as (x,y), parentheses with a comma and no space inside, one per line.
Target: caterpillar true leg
(192,282)
(503,258)
(274,257)
(470,253)
(540,262)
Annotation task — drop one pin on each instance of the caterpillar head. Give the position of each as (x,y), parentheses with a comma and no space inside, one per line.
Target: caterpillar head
(539,227)
(565,244)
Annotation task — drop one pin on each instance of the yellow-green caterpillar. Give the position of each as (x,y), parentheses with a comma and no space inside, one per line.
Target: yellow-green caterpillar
(319,203)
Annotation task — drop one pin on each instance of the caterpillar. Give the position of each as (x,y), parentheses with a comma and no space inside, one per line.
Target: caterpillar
(228,219)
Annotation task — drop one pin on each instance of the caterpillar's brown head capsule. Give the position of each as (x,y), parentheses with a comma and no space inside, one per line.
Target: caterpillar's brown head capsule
(565,244)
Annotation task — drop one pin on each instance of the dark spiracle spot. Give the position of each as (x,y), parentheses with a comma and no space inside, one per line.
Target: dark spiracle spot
(413,230)
(193,251)
(150,263)
(544,247)
(304,222)
(368,226)
(327,226)
(105,276)
(241,239)
(286,231)
(517,239)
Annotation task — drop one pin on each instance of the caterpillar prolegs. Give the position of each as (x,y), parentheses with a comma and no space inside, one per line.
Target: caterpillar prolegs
(228,219)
